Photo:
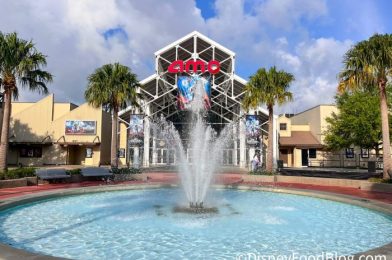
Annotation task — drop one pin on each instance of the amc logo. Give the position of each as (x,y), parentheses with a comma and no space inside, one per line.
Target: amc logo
(177,66)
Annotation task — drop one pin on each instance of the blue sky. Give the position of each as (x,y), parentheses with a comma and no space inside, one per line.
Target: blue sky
(305,37)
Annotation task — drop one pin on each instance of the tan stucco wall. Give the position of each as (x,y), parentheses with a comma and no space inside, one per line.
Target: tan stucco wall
(45,120)
(32,124)
(300,128)
(315,119)
(297,157)
(61,109)
(325,111)
(20,106)
(123,142)
(281,120)
(311,118)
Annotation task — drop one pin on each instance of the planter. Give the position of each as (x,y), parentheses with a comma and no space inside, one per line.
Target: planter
(13,183)
(32,181)
(378,187)
(130,177)
(75,178)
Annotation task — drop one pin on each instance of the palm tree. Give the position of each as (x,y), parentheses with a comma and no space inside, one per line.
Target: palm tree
(269,88)
(20,64)
(113,87)
(368,65)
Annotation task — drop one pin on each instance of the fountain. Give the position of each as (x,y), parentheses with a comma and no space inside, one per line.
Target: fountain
(205,150)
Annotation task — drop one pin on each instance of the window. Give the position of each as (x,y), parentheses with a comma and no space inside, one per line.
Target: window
(283,126)
(89,152)
(349,152)
(30,152)
(312,153)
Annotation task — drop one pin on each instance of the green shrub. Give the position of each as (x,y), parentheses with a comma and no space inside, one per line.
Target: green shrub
(129,170)
(17,173)
(380,180)
(73,171)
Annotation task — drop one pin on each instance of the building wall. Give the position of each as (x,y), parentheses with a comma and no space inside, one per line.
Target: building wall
(123,142)
(44,122)
(313,120)
(32,124)
(284,120)
(325,111)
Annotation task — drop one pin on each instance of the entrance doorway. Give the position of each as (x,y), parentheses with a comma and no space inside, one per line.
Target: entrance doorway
(305,157)
(76,154)
(135,156)
(283,155)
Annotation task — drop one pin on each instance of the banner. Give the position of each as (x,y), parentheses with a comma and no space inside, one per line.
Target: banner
(80,127)
(186,86)
(252,128)
(136,128)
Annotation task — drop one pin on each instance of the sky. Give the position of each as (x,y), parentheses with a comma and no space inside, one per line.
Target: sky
(307,38)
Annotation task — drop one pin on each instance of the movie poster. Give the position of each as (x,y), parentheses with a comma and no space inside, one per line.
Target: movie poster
(136,128)
(252,128)
(186,87)
(80,127)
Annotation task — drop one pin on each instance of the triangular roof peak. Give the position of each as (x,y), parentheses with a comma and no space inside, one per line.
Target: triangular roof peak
(198,35)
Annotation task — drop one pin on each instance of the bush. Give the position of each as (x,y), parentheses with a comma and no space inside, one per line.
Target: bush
(129,170)
(17,173)
(262,172)
(73,171)
(380,180)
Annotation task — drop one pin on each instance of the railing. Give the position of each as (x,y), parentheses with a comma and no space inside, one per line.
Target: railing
(340,160)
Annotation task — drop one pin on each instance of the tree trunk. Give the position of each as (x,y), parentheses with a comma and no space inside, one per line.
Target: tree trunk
(113,149)
(5,128)
(270,150)
(386,144)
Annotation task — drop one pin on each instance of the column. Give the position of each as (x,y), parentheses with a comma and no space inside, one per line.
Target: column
(154,151)
(146,150)
(235,146)
(275,137)
(242,142)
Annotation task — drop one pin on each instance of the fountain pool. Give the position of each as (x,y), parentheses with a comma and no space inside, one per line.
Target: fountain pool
(140,224)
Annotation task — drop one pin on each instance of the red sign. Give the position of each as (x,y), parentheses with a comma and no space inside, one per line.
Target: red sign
(177,66)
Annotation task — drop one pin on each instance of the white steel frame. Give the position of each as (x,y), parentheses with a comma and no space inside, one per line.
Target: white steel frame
(160,98)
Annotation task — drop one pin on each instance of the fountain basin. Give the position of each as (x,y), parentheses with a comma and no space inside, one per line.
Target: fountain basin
(140,223)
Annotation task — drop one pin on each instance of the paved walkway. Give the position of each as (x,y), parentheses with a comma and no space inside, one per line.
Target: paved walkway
(171,178)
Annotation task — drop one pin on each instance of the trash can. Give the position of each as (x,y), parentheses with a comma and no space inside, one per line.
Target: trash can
(372,166)
(280,164)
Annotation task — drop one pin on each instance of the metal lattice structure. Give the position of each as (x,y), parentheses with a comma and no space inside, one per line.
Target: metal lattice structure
(159,90)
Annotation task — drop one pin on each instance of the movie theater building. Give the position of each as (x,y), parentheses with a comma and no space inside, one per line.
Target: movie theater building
(49,133)
(166,94)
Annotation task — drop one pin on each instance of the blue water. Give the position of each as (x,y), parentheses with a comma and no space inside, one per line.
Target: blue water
(139,224)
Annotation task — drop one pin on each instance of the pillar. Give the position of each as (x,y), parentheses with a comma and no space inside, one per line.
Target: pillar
(235,146)
(154,151)
(275,143)
(146,150)
(242,142)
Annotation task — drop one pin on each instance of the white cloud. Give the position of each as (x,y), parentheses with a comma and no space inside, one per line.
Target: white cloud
(72,34)
(316,77)
(287,13)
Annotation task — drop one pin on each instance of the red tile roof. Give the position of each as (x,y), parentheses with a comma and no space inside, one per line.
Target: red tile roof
(300,139)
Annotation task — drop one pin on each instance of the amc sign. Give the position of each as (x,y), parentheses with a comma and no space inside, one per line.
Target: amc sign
(177,66)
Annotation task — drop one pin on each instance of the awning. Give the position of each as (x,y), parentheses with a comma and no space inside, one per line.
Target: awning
(79,143)
(30,143)
(300,139)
